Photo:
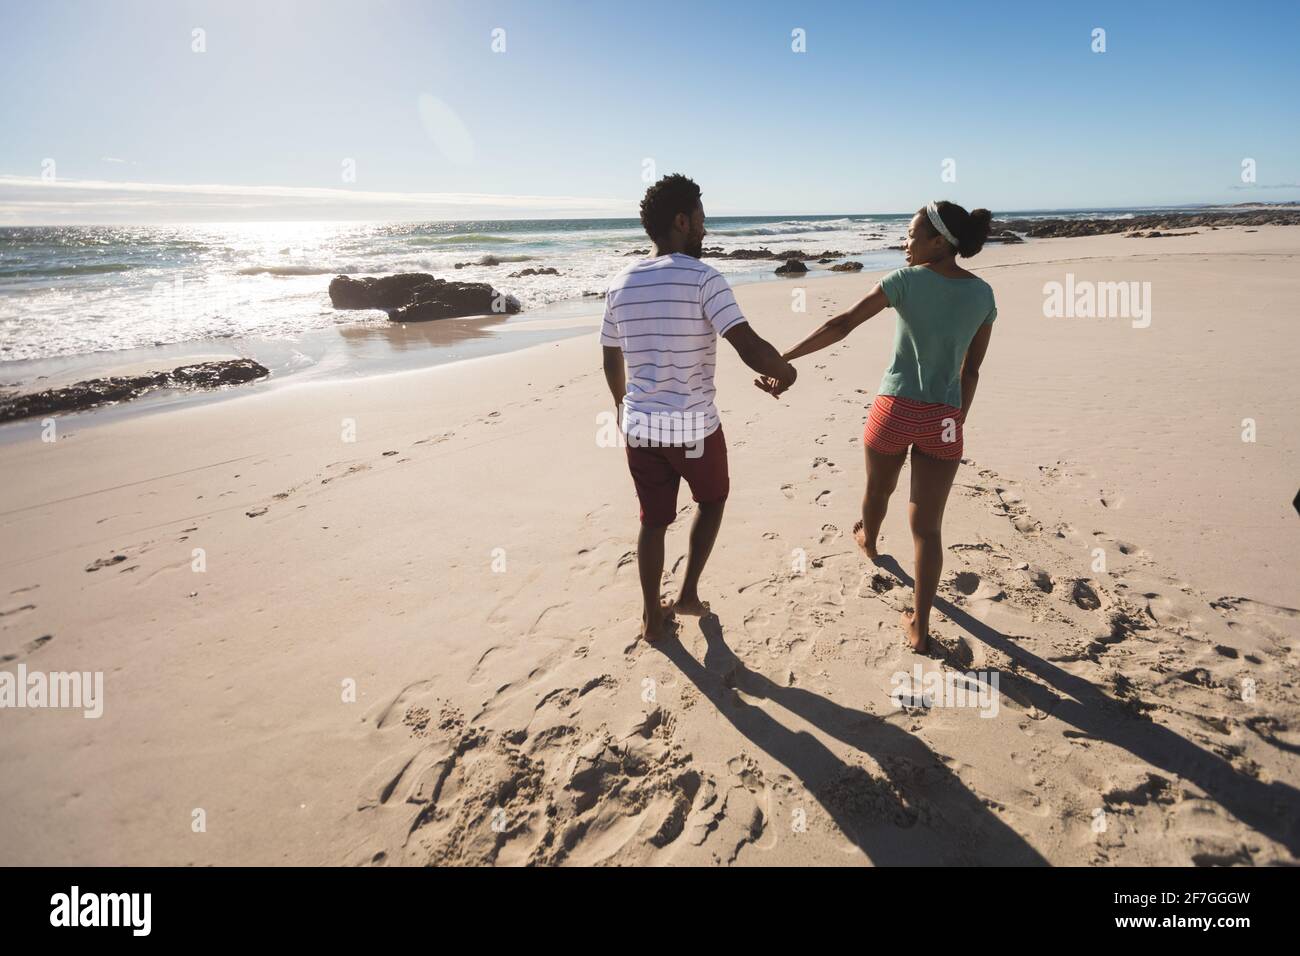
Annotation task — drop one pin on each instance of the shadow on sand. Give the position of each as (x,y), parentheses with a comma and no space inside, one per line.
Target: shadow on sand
(924,815)
(956,826)
(1268,808)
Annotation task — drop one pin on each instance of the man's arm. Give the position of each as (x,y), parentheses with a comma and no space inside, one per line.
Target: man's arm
(615,373)
(760,355)
(839,327)
(970,366)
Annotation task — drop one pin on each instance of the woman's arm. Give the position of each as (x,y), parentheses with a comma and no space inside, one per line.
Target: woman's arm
(970,366)
(839,327)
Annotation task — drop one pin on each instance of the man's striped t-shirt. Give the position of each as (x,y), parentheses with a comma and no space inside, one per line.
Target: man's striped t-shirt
(666,315)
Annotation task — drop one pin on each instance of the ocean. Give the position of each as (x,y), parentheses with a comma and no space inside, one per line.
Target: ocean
(105,293)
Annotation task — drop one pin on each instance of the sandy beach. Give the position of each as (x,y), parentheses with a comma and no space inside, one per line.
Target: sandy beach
(393,620)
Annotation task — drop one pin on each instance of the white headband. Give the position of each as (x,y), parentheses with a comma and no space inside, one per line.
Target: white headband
(932,210)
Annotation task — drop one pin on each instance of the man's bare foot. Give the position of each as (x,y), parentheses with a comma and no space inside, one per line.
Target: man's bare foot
(654,624)
(915,639)
(860,536)
(690,604)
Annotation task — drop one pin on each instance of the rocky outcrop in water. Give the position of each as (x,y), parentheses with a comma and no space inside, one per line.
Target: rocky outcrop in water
(1160,222)
(717,252)
(791,268)
(420,297)
(377,292)
(122,388)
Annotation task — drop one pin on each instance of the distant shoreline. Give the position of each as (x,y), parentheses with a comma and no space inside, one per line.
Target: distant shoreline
(1281,214)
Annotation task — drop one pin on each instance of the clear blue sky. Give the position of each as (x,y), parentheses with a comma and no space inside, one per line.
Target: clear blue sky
(861,122)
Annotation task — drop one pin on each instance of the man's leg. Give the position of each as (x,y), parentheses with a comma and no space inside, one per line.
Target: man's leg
(656,488)
(704,532)
(931,481)
(650,564)
(707,474)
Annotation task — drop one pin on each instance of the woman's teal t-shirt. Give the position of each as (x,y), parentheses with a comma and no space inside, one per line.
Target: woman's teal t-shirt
(937,318)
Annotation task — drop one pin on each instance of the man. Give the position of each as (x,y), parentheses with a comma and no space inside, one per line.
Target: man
(663,315)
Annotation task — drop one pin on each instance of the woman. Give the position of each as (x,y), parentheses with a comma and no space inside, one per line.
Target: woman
(945,318)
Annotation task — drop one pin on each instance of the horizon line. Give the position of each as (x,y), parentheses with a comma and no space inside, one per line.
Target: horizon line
(444,205)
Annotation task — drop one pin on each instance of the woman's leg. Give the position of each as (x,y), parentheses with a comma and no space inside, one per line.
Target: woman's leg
(931,481)
(882,479)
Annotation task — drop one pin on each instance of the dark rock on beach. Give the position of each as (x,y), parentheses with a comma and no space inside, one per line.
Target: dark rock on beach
(419,297)
(715,252)
(379,292)
(1160,222)
(792,267)
(121,388)
(450,300)
(847,267)
(544,271)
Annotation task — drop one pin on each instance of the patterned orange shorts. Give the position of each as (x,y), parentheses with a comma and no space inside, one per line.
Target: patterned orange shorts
(895,423)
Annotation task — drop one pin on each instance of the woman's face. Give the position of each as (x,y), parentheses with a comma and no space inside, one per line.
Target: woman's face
(923,243)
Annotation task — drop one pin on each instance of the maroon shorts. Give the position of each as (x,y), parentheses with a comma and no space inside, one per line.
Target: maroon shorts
(657,471)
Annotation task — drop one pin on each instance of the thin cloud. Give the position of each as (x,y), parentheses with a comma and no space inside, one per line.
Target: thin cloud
(63,200)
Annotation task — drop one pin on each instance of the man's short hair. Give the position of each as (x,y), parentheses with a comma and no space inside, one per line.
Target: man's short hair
(664,200)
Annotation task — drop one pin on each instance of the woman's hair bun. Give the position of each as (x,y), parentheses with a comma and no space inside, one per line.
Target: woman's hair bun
(971,238)
(970,228)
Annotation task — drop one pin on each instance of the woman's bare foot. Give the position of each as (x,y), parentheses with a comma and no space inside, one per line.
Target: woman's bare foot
(917,640)
(654,623)
(869,548)
(690,604)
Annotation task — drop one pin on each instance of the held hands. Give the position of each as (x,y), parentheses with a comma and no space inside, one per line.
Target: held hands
(773,385)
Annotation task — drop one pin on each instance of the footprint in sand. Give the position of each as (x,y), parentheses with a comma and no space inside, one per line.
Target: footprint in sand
(105,562)
(28,648)
(1083,595)
(1123,547)
(1026,524)
(542,795)
(977,589)
(823,498)
(479,674)
(352,470)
